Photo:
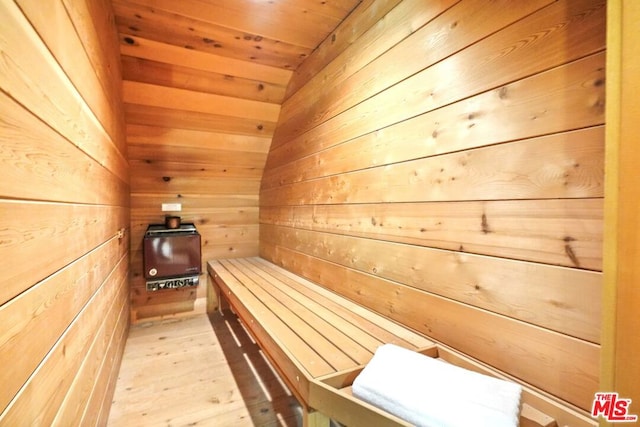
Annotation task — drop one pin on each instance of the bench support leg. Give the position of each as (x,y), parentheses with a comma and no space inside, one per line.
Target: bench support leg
(312,418)
(218,301)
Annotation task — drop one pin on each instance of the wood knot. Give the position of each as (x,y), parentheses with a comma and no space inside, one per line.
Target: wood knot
(485,224)
(166,178)
(598,104)
(572,256)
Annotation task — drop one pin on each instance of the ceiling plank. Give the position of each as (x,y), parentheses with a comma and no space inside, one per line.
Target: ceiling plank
(303,23)
(157,51)
(159,73)
(206,36)
(187,100)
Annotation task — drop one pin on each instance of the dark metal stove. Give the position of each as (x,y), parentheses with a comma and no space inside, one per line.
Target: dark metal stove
(171,256)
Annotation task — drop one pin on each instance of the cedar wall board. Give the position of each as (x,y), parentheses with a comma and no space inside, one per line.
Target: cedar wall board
(64,210)
(214,173)
(453,180)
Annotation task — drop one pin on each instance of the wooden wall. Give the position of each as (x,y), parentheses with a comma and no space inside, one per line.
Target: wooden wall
(64,196)
(446,169)
(198,129)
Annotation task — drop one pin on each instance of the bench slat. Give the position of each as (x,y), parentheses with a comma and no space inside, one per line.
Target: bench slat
(360,329)
(331,326)
(323,347)
(278,330)
(376,324)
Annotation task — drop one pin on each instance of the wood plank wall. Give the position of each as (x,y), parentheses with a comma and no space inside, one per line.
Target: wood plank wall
(64,197)
(198,131)
(446,169)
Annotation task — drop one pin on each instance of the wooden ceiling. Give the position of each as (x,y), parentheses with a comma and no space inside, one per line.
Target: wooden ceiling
(275,33)
(218,66)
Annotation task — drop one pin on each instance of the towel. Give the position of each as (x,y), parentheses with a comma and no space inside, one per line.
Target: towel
(429,392)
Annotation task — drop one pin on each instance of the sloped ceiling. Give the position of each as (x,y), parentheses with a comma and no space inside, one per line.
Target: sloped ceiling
(276,33)
(244,49)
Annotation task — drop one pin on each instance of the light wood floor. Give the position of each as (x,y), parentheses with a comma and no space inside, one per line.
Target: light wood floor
(198,371)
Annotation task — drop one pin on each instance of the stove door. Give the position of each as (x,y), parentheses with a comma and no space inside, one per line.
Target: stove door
(171,255)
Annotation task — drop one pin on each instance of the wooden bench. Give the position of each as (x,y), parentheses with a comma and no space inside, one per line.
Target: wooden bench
(319,342)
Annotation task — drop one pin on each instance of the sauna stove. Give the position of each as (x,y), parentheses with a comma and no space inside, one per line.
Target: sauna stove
(171,256)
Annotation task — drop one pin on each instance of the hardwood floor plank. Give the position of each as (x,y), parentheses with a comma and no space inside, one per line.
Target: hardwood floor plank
(198,370)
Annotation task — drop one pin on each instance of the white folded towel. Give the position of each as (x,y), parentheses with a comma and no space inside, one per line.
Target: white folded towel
(428,392)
